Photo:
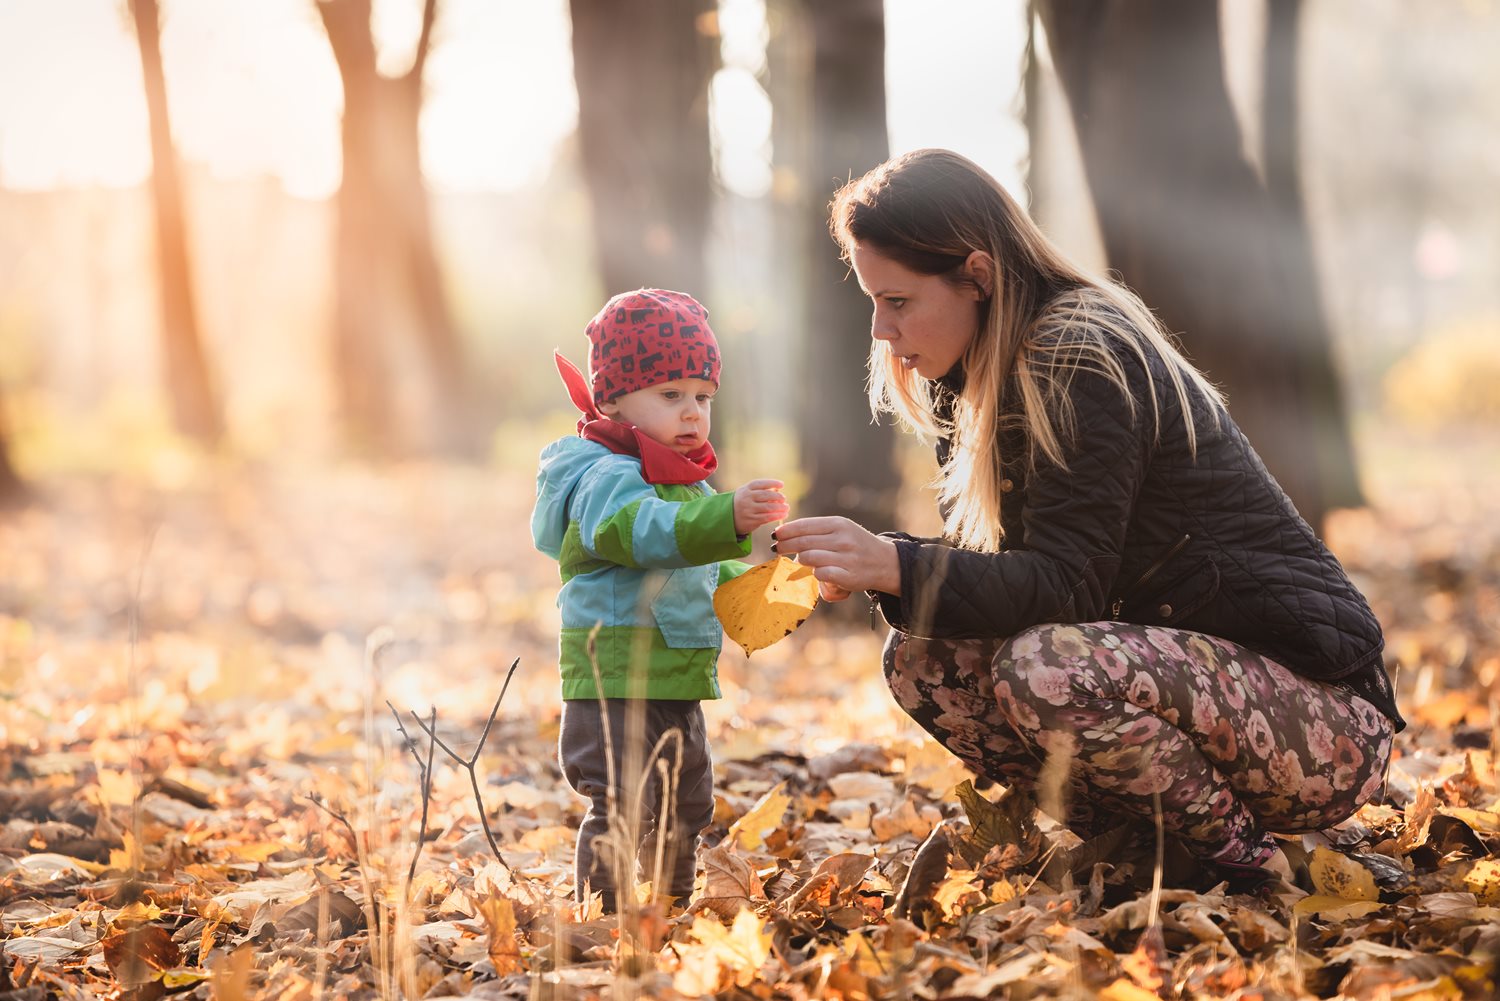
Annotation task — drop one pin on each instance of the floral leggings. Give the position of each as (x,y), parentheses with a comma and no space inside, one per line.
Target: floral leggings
(1234,744)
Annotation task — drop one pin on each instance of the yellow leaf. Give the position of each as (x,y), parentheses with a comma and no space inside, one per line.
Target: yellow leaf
(136,913)
(1335,908)
(1002,890)
(125,857)
(766,602)
(1125,990)
(741,948)
(1336,876)
(500,919)
(954,892)
(1484,881)
(750,831)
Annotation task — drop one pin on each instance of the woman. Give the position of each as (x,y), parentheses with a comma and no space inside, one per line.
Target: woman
(1121,586)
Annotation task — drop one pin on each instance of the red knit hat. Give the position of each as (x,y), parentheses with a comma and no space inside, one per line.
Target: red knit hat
(646,337)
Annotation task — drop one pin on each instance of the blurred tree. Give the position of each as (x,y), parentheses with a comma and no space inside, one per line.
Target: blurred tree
(642,70)
(12,488)
(398,358)
(1191,227)
(849,462)
(195,406)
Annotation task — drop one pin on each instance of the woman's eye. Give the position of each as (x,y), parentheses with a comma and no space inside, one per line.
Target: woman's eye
(896,302)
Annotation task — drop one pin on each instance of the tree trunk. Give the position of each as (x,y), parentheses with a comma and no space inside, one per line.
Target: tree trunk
(195,407)
(1189,226)
(849,461)
(1320,383)
(642,70)
(398,358)
(13,490)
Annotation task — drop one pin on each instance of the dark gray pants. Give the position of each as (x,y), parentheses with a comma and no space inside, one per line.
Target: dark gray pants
(637,725)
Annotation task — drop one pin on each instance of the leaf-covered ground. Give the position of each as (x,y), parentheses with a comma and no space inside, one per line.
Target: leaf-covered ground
(204,792)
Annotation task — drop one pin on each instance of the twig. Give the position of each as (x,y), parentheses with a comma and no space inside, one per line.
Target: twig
(470,762)
(424,769)
(353,837)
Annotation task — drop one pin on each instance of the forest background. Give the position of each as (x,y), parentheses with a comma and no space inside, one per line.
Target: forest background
(280,283)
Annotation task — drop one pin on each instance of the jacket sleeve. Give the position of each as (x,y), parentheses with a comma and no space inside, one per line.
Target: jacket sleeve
(621,519)
(1063,566)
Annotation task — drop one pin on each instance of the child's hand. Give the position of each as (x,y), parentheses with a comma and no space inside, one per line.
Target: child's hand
(758,503)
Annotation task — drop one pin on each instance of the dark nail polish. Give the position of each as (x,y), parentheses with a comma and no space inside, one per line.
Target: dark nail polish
(773,547)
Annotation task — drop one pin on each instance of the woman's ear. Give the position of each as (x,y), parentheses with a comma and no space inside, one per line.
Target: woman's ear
(979,268)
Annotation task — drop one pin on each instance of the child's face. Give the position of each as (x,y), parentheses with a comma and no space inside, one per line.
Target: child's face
(674,413)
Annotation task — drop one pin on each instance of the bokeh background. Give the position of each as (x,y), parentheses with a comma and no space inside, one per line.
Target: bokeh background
(280,281)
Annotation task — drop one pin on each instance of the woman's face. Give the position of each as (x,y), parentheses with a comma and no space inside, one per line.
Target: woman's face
(926,322)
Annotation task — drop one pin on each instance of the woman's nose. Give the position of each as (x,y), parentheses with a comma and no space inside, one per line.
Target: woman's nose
(880,328)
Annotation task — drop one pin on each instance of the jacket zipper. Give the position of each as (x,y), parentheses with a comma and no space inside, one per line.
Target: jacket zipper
(1119,603)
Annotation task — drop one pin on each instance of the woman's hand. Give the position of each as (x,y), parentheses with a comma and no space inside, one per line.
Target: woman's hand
(844,556)
(758,503)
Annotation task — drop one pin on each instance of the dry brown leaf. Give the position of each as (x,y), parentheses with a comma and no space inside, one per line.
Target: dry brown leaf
(500,925)
(231,975)
(729,882)
(139,955)
(766,603)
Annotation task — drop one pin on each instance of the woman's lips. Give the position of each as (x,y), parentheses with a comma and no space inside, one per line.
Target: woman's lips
(907,361)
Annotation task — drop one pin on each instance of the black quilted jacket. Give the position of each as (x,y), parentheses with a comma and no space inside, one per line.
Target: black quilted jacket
(1140,531)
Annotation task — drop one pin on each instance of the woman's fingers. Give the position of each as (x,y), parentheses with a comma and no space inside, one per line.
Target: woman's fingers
(832,592)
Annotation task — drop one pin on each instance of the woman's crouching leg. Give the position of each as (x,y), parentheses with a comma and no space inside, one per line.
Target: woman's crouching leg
(1226,743)
(947,688)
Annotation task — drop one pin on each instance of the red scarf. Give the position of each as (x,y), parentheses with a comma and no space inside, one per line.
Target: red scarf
(659,464)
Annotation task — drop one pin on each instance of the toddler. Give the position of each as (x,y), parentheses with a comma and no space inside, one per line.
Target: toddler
(642,540)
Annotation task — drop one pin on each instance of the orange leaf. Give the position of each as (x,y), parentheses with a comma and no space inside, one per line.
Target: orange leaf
(500,920)
(766,602)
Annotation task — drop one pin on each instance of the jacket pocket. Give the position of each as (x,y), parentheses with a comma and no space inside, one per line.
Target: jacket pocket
(683,608)
(1170,598)
(1171,589)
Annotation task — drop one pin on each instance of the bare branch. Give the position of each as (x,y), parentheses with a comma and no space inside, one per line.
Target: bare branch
(470,763)
(424,769)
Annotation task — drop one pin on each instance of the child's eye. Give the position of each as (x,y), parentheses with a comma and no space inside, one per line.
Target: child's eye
(671,394)
(705,398)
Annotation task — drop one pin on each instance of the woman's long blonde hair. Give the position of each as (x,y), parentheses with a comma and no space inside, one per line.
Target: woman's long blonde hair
(1044,320)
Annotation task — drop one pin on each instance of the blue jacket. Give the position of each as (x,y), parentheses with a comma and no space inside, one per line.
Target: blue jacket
(639,564)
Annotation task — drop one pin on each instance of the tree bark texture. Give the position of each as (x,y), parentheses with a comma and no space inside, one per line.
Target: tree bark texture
(397,353)
(195,407)
(849,461)
(1189,225)
(642,69)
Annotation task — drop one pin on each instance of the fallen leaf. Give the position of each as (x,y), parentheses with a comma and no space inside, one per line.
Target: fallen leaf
(741,948)
(1336,876)
(500,924)
(766,602)
(139,955)
(729,882)
(1334,908)
(749,832)
(230,976)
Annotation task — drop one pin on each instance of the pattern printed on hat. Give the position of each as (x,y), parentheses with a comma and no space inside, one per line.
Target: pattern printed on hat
(646,337)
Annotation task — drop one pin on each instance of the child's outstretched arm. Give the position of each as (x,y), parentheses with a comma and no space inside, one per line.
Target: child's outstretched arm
(622,520)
